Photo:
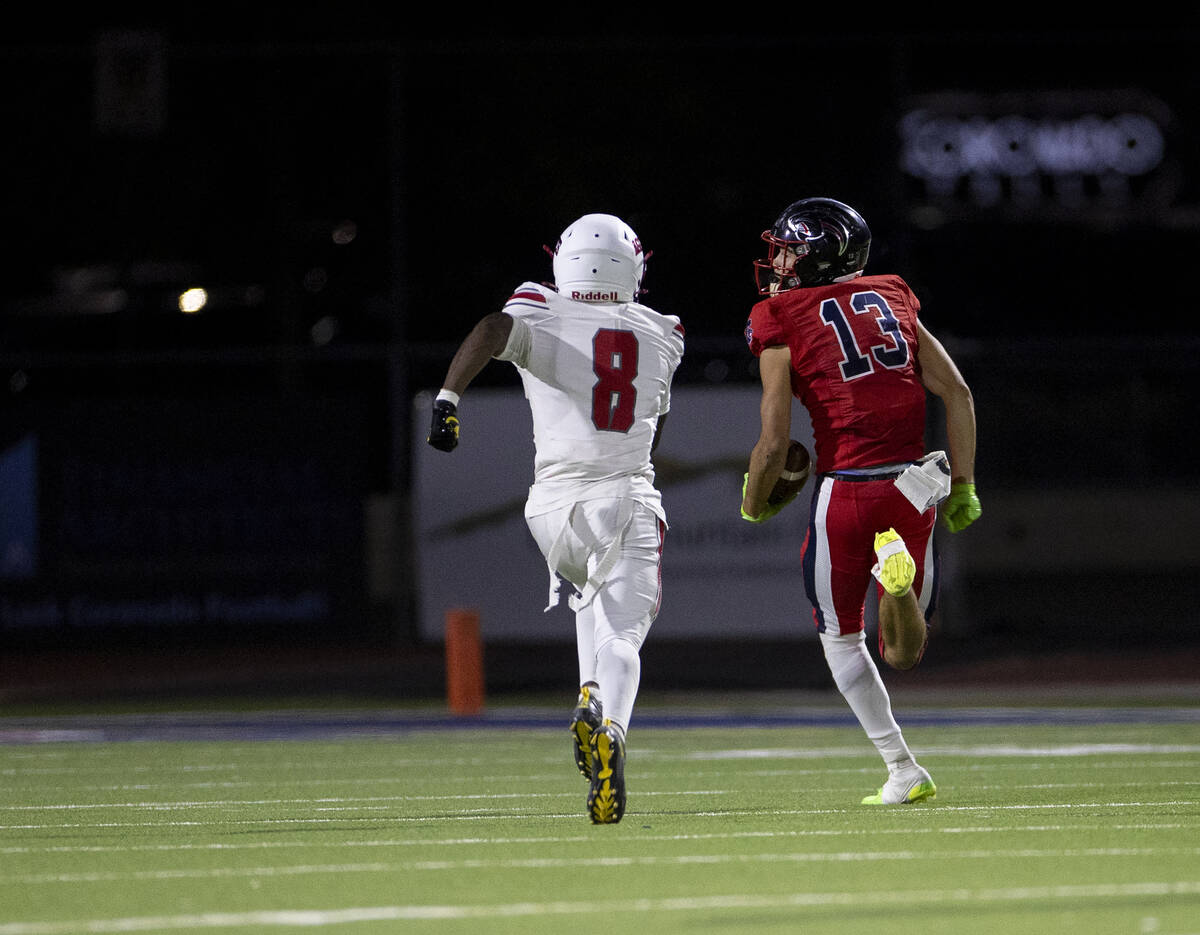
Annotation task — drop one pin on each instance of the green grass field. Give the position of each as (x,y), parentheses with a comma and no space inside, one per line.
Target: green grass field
(1088,824)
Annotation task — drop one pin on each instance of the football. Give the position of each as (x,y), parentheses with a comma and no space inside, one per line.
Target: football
(796,469)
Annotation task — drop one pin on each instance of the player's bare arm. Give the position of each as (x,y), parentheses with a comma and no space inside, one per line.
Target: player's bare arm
(775,412)
(941,377)
(485,341)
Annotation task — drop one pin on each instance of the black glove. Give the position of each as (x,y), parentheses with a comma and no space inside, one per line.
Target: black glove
(443,433)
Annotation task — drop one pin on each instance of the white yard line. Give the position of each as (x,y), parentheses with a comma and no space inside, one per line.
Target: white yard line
(642,771)
(497,815)
(607,862)
(581,838)
(327,803)
(348,801)
(1005,750)
(624,908)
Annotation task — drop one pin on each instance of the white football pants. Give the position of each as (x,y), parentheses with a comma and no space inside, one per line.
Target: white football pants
(610,550)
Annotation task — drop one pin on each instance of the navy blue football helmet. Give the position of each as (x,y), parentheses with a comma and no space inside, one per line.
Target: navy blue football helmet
(825,241)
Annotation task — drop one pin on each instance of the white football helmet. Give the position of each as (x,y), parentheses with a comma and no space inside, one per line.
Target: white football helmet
(599,258)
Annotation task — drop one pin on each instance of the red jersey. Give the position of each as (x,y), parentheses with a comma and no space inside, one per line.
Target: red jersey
(854,367)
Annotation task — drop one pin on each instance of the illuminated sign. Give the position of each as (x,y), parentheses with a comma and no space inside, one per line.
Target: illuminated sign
(1038,153)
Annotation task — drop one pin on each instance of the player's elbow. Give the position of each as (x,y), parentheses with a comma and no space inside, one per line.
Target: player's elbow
(957,396)
(494,329)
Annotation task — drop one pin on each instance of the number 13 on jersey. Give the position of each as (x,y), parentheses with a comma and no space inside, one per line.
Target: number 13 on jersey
(891,351)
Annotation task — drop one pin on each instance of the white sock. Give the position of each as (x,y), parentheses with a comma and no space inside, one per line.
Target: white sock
(619,670)
(585,646)
(858,680)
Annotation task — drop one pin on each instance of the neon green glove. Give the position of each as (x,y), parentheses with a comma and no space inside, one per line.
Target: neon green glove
(768,511)
(962,507)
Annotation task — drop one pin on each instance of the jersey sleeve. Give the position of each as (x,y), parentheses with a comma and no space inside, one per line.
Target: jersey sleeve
(911,302)
(529,296)
(520,340)
(526,306)
(913,305)
(675,343)
(676,340)
(763,330)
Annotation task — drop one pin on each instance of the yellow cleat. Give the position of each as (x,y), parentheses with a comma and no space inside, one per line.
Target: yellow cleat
(904,788)
(584,722)
(896,568)
(606,794)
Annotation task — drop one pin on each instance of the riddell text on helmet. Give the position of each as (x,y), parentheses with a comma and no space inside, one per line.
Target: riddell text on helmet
(593,296)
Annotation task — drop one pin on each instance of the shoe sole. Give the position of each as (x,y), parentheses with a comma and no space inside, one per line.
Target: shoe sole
(898,581)
(606,797)
(585,721)
(581,731)
(898,570)
(921,792)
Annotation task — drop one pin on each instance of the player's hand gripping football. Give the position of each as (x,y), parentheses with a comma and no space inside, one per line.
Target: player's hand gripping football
(797,467)
(443,433)
(962,507)
(769,510)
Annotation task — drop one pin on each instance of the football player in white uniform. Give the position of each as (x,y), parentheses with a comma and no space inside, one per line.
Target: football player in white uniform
(597,367)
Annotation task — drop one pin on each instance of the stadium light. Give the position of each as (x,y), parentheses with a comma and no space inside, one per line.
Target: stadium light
(192,300)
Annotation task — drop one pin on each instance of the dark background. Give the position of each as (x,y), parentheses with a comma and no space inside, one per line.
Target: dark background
(354,193)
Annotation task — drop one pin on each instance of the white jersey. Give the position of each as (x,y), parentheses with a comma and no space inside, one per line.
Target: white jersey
(597,377)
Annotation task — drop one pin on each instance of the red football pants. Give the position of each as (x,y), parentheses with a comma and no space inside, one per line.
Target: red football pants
(839,549)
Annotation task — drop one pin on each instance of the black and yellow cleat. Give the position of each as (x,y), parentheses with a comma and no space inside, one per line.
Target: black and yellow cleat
(443,429)
(606,796)
(584,722)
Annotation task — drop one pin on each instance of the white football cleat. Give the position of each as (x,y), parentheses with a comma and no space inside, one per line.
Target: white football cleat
(904,786)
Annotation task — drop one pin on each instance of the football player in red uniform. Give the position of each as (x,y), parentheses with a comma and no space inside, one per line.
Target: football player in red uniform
(852,349)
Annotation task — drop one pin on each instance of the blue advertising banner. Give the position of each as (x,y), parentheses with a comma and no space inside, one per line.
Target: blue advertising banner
(19,509)
(185,516)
